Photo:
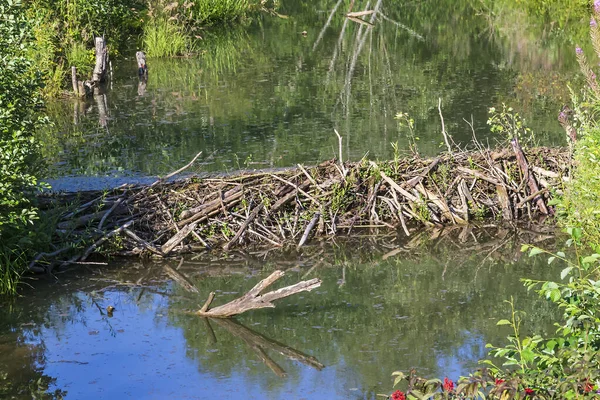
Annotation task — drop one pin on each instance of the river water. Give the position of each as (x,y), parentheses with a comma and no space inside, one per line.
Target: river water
(385,304)
(270,93)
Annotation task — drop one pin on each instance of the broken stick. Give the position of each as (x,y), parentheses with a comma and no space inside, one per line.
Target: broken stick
(253,299)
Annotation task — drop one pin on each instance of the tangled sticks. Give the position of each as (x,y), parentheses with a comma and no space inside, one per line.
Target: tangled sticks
(286,207)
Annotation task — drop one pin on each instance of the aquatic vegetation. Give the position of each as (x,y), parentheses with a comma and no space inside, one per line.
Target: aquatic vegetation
(564,366)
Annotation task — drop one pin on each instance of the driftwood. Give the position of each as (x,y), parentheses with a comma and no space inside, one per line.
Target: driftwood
(253,299)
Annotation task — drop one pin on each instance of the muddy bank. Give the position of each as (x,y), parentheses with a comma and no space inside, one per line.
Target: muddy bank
(288,208)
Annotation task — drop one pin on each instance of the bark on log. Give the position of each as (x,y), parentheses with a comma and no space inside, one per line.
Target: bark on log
(533,187)
(253,299)
(74,80)
(99,74)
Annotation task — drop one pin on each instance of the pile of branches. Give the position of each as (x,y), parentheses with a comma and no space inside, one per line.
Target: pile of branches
(282,208)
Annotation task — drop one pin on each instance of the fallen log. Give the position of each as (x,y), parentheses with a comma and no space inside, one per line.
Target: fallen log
(254,300)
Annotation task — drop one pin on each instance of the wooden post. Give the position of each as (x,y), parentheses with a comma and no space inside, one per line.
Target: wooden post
(99,74)
(141,62)
(74,80)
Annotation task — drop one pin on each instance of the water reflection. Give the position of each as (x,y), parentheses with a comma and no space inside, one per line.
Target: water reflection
(257,95)
(430,303)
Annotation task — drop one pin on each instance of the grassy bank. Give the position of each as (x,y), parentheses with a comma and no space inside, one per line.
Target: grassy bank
(63,31)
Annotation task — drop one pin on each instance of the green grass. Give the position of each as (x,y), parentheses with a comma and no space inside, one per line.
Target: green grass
(208,12)
(12,265)
(163,38)
(79,56)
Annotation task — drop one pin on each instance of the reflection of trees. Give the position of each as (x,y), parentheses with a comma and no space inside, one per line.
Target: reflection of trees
(51,309)
(385,304)
(420,307)
(267,91)
(22,361)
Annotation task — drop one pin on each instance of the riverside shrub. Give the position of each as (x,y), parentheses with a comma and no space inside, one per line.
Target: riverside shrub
(20,103)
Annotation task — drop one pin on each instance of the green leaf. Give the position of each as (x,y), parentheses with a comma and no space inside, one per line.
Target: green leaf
(591,259)
(416,394)
(551,259)
(565,272)
(535,251)
(525,247)
(503,322)
(561,254)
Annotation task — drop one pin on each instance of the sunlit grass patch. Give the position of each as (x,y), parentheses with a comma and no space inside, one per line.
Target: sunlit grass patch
(163,38)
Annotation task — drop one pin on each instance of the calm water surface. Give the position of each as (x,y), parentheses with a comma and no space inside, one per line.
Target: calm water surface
(383,306)
(266,95)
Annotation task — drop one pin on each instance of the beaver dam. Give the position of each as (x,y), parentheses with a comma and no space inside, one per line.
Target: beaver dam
(289,207)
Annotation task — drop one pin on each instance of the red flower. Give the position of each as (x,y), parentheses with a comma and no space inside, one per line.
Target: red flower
(529,392)
(448,385)
(398,395)
(499,381)
(588,386)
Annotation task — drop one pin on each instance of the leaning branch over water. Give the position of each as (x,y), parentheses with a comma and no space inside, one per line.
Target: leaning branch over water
(289,207)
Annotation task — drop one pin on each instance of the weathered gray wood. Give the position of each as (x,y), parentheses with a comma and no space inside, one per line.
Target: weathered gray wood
(309,227)
(178,238)
(74,80)
(140,56)
(247,222)
(504,202)
(99,74)
(533,187)
(253,299)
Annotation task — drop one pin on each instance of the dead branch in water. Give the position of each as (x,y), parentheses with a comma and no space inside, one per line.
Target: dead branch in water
(253,299)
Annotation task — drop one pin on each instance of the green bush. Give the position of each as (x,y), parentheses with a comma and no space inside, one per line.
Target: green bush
(20,85)
(580,205)
(562,367)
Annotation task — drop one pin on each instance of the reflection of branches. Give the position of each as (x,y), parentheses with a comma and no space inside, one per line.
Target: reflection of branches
(406,28)
(105,317)
(326,24)
(258,343)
